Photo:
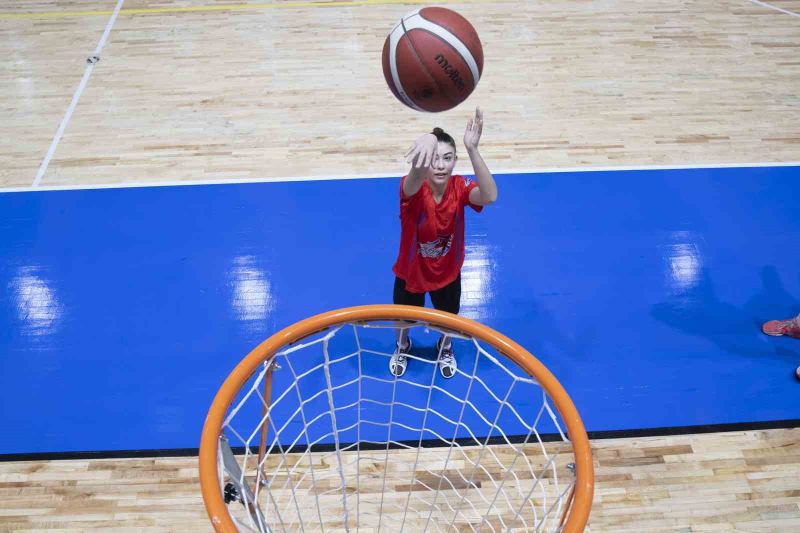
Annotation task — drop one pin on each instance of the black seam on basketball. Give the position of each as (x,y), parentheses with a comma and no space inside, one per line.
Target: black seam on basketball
(423,67)
(428,443)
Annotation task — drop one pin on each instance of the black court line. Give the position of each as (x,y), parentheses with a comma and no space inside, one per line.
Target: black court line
(432,443)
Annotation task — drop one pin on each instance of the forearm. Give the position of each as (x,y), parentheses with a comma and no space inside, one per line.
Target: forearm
(416,176)
(421,157)
(483,176)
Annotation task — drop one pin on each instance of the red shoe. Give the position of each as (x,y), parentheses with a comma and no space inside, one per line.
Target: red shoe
(777,328)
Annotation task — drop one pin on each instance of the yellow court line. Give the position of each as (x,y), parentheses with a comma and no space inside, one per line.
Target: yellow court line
(230,7)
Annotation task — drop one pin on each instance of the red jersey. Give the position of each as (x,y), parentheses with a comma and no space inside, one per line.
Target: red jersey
(432,235)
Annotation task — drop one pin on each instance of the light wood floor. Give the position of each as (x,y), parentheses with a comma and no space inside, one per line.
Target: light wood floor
(738,481)
(274,91)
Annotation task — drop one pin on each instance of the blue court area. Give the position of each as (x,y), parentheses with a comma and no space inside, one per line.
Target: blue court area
(122,310)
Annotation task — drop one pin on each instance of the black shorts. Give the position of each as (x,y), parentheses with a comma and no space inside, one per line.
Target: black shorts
(448,298)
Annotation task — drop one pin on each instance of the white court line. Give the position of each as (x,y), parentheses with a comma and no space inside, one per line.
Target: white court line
(76,97)
(770,6)
(388,175)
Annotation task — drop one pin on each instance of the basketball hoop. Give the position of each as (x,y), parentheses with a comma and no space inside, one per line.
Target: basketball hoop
(311,431)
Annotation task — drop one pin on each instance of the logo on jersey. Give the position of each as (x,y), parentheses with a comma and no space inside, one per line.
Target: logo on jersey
(467,180)
(436,248)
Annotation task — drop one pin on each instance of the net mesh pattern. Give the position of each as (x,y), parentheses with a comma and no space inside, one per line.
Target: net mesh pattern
(336,442)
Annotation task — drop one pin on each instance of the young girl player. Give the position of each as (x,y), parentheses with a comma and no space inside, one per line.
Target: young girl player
(432,203)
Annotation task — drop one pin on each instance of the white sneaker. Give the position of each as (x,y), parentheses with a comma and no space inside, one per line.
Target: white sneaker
(399,361)
(447,360)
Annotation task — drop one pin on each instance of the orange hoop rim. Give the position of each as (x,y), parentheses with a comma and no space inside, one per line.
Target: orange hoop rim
(209,441)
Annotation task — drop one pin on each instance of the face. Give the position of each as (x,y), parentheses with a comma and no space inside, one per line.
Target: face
(444,161)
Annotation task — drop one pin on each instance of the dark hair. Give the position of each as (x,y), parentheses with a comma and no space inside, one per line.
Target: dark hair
(444,137)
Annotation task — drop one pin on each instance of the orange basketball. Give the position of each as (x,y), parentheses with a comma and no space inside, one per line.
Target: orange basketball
(432,59)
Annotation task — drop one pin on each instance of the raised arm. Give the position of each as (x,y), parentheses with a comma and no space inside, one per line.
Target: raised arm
(486,191)
(420,156)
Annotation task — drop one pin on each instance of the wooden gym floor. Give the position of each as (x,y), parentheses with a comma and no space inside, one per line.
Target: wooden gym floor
(736,481)
(293,89)
(195,91)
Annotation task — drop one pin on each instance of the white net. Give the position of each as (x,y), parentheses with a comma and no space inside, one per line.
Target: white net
(324,437)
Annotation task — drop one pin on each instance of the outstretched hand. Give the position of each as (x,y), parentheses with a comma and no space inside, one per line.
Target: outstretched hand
(420,155)
(474,128)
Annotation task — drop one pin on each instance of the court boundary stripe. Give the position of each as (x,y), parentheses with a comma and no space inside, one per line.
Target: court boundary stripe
(87,73)
(776,8)
(431,443)
(388,175)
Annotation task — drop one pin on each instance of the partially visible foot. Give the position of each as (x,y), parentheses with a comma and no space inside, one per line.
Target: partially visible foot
(447,360)
(399,360)
(778,328)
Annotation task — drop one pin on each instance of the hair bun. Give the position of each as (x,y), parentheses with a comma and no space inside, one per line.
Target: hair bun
(437,131)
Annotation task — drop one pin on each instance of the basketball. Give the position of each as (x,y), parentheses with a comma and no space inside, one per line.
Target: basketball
(432,59)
